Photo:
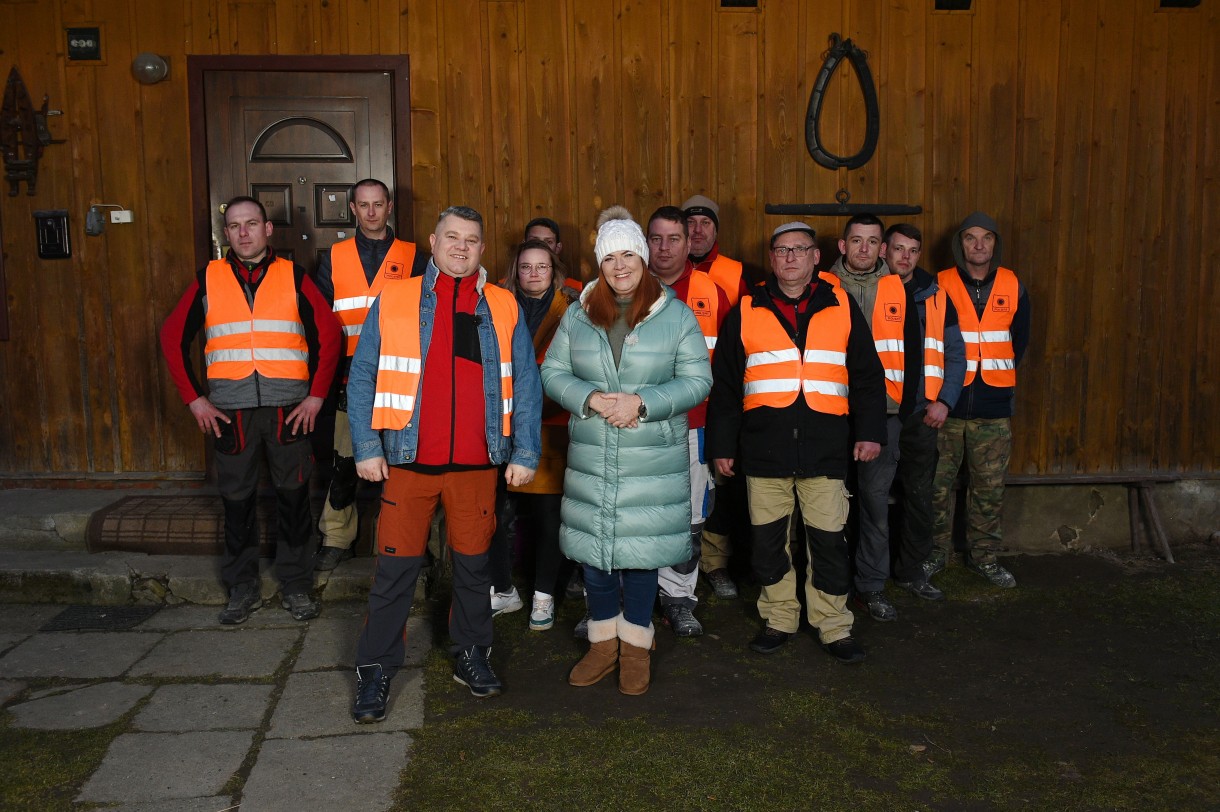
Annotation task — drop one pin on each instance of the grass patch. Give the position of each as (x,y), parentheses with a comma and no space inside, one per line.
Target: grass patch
(44,769)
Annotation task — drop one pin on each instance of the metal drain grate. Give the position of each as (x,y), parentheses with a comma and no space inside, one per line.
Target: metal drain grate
(99,618)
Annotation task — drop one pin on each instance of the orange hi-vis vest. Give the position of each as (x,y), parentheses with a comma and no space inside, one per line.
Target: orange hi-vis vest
(988,342)
(268,339)
(353,294)
(726,273)
(702,297)
(830,277)
(776,371)
(889,316)
(401,364)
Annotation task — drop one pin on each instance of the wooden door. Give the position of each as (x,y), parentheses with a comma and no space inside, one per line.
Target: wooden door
(297,142)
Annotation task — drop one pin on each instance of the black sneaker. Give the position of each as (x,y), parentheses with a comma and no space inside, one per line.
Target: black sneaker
(301,606)
(994,573)
(331,557)
(769,641)
(935,562)
(372,693)
(244,599)
(921,588)
(470,668)
(846,651)
(878,606)
(682,620)
(722,584)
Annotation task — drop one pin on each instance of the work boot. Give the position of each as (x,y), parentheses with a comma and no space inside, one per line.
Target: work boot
(602,656)
(244,599)
(472,669)
(722,584)
(877,605)
(372,693)
(634,657)
(682,620)
(994,573)
(330,557)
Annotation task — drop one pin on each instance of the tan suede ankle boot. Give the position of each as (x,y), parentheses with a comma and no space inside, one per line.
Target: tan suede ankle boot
(602,656)
(634,669)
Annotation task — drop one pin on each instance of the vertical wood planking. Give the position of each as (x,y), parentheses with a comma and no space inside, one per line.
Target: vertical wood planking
(994,114)
(548,123)
(736,112)
(820,183)
(297,27)
(694,160)
(167,263)
(785,75)
(1108,346)
(950,80)
(387,33)
(902,82)
(203,29)
(359,24)
(250,26)
(1206,456)
(862,23)
(463,121)
(1067,314)
(1144,244)
(595,90)
(1181,372)
(504,116)
(645,114)
(427,176)
(1034,213)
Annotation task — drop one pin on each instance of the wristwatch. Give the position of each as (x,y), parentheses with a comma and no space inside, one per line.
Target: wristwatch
(643,410)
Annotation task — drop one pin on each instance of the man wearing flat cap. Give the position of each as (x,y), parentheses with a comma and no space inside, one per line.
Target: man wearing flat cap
(792,362)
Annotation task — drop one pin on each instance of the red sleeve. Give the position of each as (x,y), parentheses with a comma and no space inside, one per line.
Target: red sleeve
(177,333)
(743,287)
(330,338)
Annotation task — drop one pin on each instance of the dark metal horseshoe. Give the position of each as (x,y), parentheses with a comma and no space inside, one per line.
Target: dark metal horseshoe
(840,48)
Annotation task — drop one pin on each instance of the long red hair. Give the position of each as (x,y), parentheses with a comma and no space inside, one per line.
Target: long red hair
(602,306)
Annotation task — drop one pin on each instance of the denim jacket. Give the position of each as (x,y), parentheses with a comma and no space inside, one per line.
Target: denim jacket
(524,443)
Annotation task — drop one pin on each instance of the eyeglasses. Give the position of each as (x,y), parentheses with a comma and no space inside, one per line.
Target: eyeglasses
(797,251)
(533,270)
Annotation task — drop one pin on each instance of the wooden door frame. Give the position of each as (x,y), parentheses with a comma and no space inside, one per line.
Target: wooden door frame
(397,66)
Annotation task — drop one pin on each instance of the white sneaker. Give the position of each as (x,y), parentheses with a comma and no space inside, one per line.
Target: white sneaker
(505,602)
(542,616)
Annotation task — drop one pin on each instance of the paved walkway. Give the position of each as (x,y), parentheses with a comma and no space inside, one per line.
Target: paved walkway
(215,718)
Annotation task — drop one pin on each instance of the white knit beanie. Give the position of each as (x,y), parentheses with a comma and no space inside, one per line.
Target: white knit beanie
(616,231)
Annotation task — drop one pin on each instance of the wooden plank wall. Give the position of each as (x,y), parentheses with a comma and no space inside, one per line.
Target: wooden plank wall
(1088,128)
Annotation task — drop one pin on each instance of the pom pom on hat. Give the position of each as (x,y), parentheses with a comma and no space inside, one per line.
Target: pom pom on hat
(616,231)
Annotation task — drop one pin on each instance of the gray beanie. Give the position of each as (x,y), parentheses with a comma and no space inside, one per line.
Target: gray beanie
(616,231)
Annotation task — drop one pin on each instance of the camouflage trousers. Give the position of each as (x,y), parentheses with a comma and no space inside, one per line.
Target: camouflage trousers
(985,445)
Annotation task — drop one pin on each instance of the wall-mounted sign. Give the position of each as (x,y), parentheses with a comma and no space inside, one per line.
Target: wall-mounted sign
(84,44)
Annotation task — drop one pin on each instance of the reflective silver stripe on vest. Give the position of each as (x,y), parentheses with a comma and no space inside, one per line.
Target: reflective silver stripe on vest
(825,357)
(930,371)
(352,329)
(826,388)
(971,365)
(354,303)
(389,400)
(970,337)
(398,363)
(228,329)
(218,356)
(998,363)
(890,345)
(773,385)
(773,357)
(710,341)
(995,336)
(895,375)
(930,343)
(278,326)
(280,354)
(506,407)
(506,369)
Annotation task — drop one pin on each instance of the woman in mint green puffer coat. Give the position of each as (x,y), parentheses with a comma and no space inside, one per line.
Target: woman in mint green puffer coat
(628,363)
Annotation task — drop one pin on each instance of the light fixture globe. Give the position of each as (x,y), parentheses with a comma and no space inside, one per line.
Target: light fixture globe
(148,68)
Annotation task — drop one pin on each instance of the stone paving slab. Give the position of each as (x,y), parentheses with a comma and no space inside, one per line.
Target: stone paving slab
(331,642)
(26,618)
(91,706)
(7,640)
(81,655)
(204,707)
(214,803)
(229,653)
(145,767)
(319,704)
(352,773)
(9,689)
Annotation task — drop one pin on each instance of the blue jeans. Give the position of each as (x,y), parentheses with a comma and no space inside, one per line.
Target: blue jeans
(636,594)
